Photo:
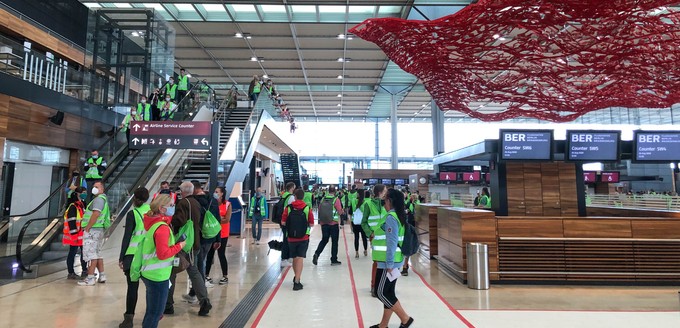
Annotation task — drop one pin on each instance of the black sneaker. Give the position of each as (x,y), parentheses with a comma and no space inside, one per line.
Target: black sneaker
(336,262)
(404,272)
(169,310)
(205,308)
(407,324)
(315,259)
(297,286)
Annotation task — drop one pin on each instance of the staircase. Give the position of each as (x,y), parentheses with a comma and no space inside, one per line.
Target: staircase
(197,166)
(290,165)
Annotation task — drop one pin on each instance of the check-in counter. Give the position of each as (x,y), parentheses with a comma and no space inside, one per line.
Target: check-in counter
(426,225)
(456,228)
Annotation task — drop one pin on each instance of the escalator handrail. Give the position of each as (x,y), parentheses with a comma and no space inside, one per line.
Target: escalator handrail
(20,240)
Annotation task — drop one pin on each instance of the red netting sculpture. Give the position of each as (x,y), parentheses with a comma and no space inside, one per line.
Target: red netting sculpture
(553,60)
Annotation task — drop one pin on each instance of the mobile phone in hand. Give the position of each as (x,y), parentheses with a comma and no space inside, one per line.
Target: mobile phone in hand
(182,238)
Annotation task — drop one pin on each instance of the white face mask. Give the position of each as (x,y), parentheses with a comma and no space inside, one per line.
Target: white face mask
(143,101)
(167,99)
(134,113)
(95,191)
(216,196)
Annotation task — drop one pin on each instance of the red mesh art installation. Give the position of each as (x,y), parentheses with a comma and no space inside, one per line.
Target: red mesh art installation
(548,59)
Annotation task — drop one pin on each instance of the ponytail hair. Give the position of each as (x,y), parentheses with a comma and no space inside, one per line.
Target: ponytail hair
(397,199)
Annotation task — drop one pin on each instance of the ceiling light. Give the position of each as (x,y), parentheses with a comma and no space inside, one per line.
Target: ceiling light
(339,95)
(415,113)
(339,112)
(341,36)
(265,76)
(253,58)
(340,77)
(341,60)
(424,105)
(496,36)
(339,105)
(135,34)
(238,35)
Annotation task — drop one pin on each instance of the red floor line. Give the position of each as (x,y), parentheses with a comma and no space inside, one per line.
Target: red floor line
(453,310)
(357,307)
(271,297)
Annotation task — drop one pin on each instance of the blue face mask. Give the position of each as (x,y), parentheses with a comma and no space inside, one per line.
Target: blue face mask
(170,211)
(83,196)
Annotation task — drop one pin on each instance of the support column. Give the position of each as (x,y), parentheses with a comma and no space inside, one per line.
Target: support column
(377,141)
(393,121)
(437,129)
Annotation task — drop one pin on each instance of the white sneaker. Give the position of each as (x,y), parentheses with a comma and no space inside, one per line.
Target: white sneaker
(190,299)
(89,281)
(257,242)
(102,278)
(208,284)
(286,263)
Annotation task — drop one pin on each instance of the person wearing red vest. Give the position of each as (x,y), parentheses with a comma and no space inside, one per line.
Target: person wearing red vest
(73,232)
(165,189)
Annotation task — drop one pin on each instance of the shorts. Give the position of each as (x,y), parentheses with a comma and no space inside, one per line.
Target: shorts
(92,244)
(298,249)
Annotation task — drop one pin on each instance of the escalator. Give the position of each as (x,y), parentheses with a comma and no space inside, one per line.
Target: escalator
(126,171)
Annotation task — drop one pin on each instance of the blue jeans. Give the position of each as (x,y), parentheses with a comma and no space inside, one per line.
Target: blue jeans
(156,294)
(257,219)
(201,258)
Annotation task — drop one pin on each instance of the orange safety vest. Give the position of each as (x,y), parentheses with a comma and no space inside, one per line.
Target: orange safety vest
(74,238)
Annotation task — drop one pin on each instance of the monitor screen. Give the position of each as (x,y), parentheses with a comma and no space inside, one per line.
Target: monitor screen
(526,145)
(600,146)
(657,146)
(399,182)
(472,176)
(372,181)
(488,177)
(589,177)
(609,177)
(448,176)
(386,182)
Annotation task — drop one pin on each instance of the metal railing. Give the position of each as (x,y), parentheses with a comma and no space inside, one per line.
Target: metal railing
(647,201)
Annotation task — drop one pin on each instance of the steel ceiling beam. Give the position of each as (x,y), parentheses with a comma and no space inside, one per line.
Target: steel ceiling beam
(293,31)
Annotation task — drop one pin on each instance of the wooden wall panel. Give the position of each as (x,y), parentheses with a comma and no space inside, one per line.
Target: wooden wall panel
(535,228)
(515,188)
(550,182)
(597,228)
(656,229)
(533,192)
(568,196)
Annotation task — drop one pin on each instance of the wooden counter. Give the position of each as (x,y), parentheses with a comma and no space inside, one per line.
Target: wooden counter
(459,226)
(426,225)
(574,249)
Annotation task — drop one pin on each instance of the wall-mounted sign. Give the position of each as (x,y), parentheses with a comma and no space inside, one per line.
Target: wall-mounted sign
(532,145)
(599,146)
(657,146)
(164,134)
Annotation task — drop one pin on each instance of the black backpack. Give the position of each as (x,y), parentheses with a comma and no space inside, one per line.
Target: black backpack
(296,222)
(410,245)
(278,209)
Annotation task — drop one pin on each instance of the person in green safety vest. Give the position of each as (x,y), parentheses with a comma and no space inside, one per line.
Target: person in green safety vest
(182,84)
(96,220)
(94,169)
(75,181)
(308,196)
(342,196)
(355,209)
(204,94)
(411,203)
(144,109)
(485,200)
(373,210)
(132,238)
(127,121)
(386,251)
(254,89)
(167,109)
(351,201)
(257,211)
(154,258)
(171,90)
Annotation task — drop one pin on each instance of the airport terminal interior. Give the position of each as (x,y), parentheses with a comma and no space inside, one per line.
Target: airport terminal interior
(492,163)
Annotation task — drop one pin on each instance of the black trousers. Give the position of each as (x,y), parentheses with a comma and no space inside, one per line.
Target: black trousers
(71,259)
(332,232)
(285,251)
(221,254)
(359,232)
(131,296)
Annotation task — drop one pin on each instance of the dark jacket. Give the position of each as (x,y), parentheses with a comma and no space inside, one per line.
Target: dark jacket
(208,204)
(182,215)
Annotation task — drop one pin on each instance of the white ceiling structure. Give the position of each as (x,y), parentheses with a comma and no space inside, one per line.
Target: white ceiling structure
(302,45)
(323,73)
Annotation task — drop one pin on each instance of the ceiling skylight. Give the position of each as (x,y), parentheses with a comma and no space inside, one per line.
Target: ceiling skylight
(122,5)
(273,8)
(184,7)
(211,7)
(92,5)
(361,9)
(332,9)
(243,8)
(304,9)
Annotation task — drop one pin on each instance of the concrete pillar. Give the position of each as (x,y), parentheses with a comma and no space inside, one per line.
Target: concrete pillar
(393,120)
(437,129)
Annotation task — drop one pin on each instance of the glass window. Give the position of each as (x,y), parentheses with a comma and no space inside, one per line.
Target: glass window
(243,8)
(332,9)
(361,9)
(122,5)
(389,9)
(213,7)
(92,5)
(303,9)
(273,8)
(184,7)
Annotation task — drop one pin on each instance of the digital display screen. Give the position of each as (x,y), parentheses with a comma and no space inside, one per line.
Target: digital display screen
(598,146)
(488,177)
(526,145)
(448,176)
(609,177)
(399,182)
(472,176)
(589,177)
(657,146)
(386,181)
(372,181)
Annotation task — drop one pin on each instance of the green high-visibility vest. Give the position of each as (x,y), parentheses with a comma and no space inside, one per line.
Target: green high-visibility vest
(379,244)
(256,88)
(352,199)
(376,212)
(104,219)
(153,268)
(145,112)
(183,83)
(486,200)
(263,203)
(171,90)
(139,232)
(308,198)
(93,172)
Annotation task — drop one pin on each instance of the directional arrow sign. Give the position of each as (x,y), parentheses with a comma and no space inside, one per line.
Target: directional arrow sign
(183,135)
(135,141)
